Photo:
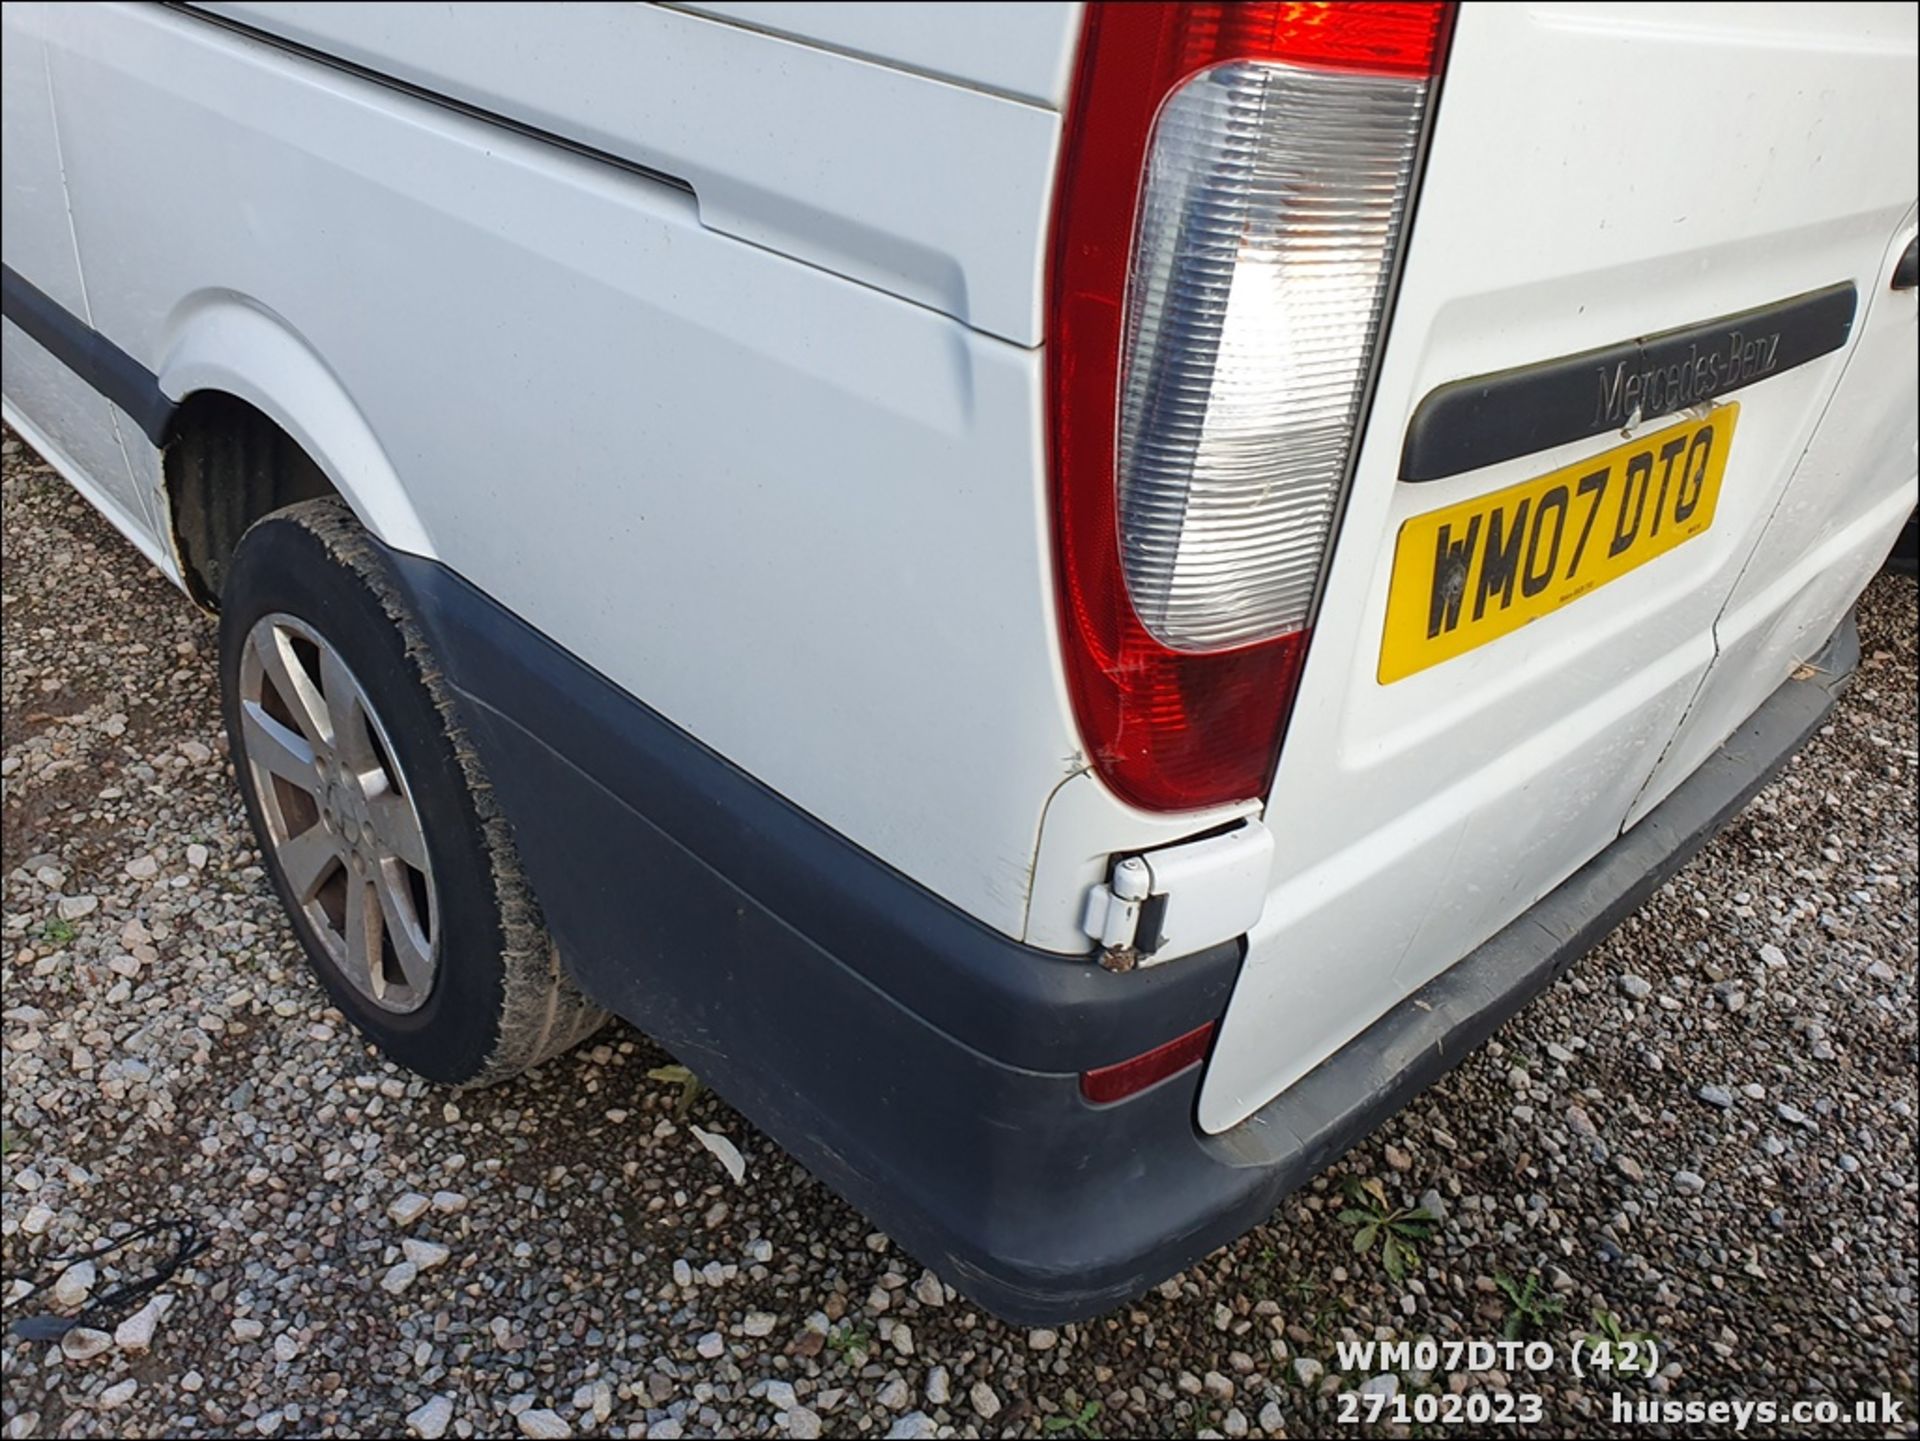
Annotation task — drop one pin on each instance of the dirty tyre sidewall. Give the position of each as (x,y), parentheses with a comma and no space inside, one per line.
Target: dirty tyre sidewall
(312,562)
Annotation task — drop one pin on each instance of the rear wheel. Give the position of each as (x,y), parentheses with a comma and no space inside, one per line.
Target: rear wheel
(374,813)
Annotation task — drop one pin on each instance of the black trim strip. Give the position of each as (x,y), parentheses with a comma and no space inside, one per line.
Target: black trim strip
(422,93)
(1467,424)
(87,353)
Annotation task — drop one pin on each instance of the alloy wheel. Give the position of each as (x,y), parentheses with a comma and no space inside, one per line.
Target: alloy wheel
(339,814)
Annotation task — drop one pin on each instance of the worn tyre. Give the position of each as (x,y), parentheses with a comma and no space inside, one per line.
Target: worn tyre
(374,813)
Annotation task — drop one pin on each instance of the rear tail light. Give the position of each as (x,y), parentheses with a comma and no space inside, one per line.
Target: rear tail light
(1231,199)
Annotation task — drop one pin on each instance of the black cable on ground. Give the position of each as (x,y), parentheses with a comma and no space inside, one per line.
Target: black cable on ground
(113,1305)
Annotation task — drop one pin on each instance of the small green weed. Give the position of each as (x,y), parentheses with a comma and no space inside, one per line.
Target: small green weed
(1531,1309)
(1623,1352)
(850,1343)
(691,1087)
(1080,1422)
(1398,1229)
(1322,1314)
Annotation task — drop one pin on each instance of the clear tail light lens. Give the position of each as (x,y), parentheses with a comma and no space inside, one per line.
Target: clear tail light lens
(1232,196)
(1266,225)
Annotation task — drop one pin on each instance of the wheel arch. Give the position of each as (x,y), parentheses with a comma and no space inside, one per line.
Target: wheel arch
(227,359)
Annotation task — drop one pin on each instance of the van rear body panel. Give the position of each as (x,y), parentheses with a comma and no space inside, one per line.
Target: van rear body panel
(766,584)
(927,189)
(1555,218)
(1851,489)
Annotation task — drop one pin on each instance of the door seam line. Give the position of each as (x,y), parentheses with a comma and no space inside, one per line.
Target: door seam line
(1713,631)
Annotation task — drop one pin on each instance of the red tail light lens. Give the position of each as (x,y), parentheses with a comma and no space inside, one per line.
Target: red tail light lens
(1231,198)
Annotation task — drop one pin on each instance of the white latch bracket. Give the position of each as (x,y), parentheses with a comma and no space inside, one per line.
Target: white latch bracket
(1113,909)
(1178,899)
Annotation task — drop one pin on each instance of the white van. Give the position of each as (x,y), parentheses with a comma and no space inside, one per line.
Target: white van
(1067,602)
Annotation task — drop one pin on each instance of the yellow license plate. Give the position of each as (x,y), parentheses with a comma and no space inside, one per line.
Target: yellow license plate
(1483,568)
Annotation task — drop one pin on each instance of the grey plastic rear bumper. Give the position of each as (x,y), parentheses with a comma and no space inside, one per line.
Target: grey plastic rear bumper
(927,1067)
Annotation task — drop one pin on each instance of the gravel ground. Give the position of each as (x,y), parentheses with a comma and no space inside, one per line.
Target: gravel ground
(1705,1133)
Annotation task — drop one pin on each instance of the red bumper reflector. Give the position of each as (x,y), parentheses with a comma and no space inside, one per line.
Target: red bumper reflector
(1126,1078)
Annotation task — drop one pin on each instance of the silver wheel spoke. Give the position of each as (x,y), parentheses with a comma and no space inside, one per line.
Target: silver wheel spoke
(398,829)
(277,750)
(362,931)
(290,679)
(346,721)
(307,859)
(402,927)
